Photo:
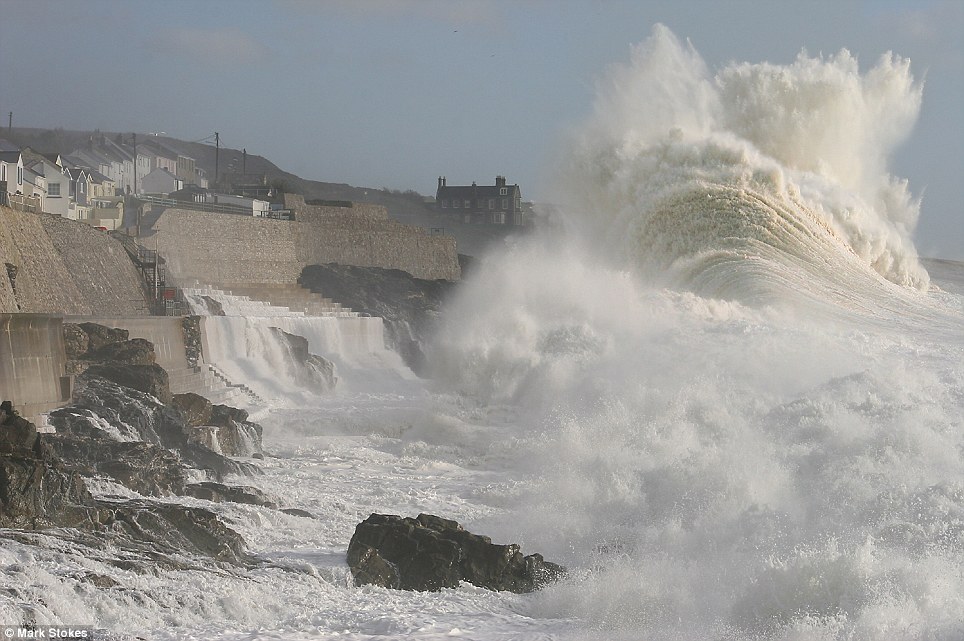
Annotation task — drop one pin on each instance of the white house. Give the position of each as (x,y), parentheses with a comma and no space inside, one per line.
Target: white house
(11,174)
(160,181)
(58,185)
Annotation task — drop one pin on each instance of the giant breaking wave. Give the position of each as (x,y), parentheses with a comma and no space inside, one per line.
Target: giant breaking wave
(734,185)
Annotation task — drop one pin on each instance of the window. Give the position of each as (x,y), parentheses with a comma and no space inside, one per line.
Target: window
(479,204)
(3,171)
(503,191)
(468,204)
(505,203)
(19,175)
(53,189)
(455,203)
(491,203)
(445,204)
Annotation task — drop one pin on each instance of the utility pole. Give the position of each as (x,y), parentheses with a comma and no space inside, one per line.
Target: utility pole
(217,156)
(244,163)
(10,122)
(134,143)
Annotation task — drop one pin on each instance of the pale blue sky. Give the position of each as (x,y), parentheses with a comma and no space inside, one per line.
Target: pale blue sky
(392,93)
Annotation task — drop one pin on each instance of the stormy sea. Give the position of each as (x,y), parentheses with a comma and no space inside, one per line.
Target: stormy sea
(724,392)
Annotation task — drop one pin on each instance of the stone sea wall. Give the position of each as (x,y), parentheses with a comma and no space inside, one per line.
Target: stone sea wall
(53,265)
(225,248)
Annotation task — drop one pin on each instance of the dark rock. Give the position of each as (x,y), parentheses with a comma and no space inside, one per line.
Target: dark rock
(150,379)
(293,511)
(136,351)
(197,410)
(430,553)
(369,568)
(17,434)
(217,493)
(170,528)
(100,335)
(409,306)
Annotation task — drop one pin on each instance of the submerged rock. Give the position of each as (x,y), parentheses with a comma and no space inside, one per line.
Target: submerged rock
(218,492)
(431,553)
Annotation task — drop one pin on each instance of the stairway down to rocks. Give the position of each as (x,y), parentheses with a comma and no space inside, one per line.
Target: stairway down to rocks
(292,297)
(207,381)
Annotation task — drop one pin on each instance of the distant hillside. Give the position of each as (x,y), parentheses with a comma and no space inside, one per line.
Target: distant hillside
(405,206)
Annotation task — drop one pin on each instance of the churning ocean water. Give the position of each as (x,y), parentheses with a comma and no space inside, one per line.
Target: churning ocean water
(727,396)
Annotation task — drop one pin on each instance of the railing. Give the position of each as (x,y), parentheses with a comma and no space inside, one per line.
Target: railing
(30,204)
(218,208)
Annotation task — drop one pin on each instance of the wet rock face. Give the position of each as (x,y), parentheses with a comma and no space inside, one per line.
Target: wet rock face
(431,553)
(409,306)
(150,379)
(313,371)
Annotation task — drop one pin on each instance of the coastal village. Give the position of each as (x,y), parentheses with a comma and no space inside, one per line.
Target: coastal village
(127,270)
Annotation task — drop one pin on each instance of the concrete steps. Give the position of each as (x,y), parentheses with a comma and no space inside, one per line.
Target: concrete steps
(206,381)
(295,298)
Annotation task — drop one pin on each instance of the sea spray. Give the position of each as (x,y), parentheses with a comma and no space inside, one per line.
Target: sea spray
(745,409)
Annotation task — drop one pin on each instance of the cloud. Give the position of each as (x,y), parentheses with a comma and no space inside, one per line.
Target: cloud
(214,47)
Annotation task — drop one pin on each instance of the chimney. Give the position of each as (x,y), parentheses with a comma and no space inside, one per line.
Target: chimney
(444,181)
(500,181)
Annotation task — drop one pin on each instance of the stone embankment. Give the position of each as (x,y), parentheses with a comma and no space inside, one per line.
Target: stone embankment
(215,249)
(52,265)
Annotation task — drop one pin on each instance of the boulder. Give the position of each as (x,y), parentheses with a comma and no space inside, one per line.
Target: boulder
(136,351)
(431,553)
(37,492)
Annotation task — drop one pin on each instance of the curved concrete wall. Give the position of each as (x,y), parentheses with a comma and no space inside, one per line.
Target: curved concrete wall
(64,267)
(32,362)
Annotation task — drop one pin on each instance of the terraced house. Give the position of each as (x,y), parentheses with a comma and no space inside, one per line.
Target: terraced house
(498,204)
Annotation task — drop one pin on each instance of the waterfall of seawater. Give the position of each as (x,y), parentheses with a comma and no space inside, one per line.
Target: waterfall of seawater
(247,345)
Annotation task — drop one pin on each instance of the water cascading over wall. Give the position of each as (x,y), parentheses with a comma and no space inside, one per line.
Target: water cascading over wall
(252,344)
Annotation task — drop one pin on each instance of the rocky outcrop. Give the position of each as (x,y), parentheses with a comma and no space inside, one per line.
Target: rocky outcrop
(431,553)
(313,371)
(409,306)
(38,490)
(35,488)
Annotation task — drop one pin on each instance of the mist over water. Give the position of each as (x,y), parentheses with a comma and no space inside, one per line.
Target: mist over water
(739,401)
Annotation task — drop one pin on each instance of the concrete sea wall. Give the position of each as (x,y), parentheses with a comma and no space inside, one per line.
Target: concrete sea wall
(32,361)
(50,264)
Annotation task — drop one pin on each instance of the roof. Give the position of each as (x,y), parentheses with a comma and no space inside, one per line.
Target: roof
(163,170)
(468,192)
(10,156)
